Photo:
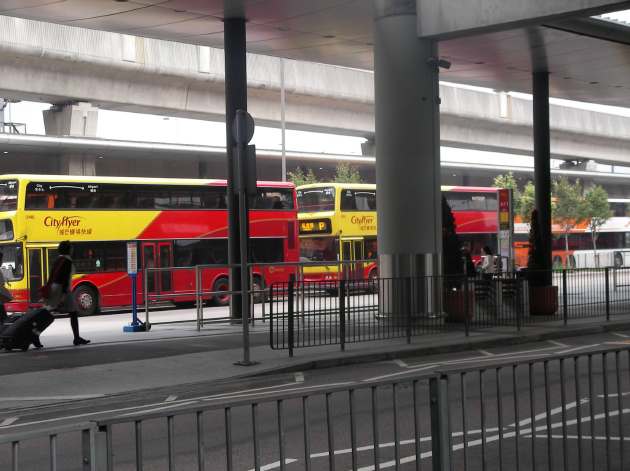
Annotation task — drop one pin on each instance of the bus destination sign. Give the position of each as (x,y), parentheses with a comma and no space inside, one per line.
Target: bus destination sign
(315,226)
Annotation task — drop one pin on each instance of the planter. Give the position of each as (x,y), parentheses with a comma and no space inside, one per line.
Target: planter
(455,305)
(543,300)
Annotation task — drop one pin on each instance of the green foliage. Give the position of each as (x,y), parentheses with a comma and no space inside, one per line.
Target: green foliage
(507,181)
(300,177)
(526,202)
(568,209)
(596,212)
(346,173)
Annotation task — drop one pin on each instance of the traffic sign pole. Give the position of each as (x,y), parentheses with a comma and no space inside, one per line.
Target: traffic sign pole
(132,269)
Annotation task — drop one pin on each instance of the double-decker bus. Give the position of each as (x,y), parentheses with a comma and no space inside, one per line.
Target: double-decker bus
(338,223)
(175,222)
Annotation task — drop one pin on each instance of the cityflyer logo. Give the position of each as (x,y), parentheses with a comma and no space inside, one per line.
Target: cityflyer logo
(67,225)
(365,223)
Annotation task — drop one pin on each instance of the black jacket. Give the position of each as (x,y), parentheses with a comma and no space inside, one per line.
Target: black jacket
(62,272)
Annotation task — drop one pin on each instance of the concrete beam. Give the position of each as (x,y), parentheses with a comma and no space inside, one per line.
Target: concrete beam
(451,18)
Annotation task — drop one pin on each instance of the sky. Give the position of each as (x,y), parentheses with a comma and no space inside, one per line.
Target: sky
(143,127)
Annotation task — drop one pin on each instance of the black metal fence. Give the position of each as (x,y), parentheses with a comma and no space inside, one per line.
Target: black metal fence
(315,313)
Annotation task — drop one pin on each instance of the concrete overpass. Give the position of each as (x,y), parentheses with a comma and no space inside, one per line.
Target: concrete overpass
(61,64)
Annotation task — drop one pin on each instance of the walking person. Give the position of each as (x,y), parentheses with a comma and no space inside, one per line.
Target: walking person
(488,265)
(57,294)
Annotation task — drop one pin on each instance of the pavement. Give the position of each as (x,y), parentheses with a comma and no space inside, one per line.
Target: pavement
(177,354)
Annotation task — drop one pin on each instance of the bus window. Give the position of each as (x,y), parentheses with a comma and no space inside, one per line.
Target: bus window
(371,252)
(358,200)
(191,252)
(319,249)
(471,201)
(8,195)
(273,198)
(267,251)
(311,200)
(12,261)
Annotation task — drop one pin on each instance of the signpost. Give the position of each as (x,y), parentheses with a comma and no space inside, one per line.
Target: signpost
(506,227)
(132,270)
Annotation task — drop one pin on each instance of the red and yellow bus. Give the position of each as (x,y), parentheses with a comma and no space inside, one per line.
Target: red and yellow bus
(338,222)
(175,222)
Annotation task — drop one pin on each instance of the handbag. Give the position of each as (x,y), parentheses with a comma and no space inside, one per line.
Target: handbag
(5,295)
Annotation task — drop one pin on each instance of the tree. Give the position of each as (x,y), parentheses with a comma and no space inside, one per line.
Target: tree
(568,208)
(597,212)
(346,173)
(527,202)
(300,177)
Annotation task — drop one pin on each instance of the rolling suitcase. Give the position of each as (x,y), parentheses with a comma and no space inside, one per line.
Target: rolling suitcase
(19,333)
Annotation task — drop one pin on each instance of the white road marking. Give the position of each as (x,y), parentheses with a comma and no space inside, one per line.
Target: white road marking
(583,437)
(156,409)
(486,353)
(558,344)
(601,396)
(552,412)
(619,334)
(400,363)
(406,372)
(299,377)
(275,465)
(230,396)
(170,398)
(575,349)
(8,421)
(50,398)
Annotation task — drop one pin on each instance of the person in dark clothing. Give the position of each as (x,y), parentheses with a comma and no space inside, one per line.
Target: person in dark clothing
(58,294)
(469,265)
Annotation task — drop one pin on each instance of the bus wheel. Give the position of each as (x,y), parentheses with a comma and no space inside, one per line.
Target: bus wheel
(86,300)
(222,284)
(258,285)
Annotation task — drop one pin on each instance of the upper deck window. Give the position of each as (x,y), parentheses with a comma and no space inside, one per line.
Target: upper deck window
(471,201)
(8,195)
(358,200)
(274,198)
(108,196)
(311,200)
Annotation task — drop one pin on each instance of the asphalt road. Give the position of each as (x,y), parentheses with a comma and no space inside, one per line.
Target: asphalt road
(552,441)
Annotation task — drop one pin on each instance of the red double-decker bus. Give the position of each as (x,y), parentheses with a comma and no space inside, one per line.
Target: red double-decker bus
(174,222)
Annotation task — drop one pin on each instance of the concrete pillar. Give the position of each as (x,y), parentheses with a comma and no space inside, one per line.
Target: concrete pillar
(235,99)
(407,143)
(542,162)
(77,120)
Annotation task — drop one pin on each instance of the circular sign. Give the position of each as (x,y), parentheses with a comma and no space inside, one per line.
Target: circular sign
(243,127)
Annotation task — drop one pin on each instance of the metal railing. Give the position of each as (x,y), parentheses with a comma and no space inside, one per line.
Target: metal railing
(540,412)
(315,313)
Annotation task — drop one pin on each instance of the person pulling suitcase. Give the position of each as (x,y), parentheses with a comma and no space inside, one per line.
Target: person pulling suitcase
(57,295)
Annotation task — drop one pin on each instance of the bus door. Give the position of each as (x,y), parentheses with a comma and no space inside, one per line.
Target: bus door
(157,255)
(352,256)
(35,273)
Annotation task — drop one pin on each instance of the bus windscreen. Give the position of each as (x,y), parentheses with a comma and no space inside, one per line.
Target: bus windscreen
(311,200)
(8,195)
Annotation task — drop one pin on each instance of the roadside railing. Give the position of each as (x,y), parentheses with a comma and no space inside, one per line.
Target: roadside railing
(331,312)
(538,412)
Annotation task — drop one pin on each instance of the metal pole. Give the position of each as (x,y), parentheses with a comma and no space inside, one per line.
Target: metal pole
(291,313)
(235,99)
(542,165)
(440,424)
(244,272)
(146,297)
(198,297)
(283,124)
(565,297)
(606,271)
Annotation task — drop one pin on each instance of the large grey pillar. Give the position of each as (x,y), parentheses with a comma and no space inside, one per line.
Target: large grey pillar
(407,143)
(235,99)
(542,163)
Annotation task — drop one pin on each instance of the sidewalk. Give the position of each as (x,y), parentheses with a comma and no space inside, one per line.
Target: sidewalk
(177,354)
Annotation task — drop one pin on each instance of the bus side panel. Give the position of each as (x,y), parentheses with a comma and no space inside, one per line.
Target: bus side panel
(114,288)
